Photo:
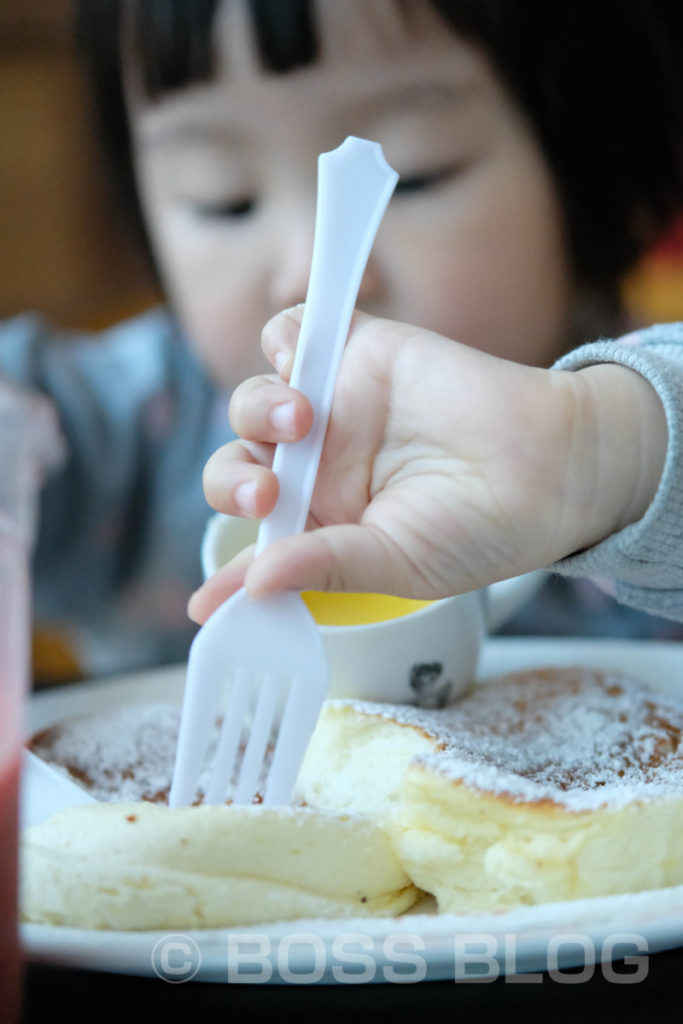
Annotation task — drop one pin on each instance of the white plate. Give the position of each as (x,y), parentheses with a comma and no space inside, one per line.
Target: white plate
(420,945)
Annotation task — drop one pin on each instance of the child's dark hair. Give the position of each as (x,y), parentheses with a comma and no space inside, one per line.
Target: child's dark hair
(600,80)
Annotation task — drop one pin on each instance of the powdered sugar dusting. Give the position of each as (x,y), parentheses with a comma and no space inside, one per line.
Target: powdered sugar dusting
(126,754)
(579,738)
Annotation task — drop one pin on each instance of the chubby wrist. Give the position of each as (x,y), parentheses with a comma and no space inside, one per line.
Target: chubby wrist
(621,443)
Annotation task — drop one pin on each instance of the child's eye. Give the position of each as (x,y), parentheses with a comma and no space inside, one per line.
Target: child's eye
(420,182)
(226,210)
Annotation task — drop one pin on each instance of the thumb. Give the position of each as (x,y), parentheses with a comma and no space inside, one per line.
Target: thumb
(219,587)
(346,557)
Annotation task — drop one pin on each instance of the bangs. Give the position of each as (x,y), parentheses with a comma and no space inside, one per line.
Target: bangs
(172,43)
(173,39)
(601,83)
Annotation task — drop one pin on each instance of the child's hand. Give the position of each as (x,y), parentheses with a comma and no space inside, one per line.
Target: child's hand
(444,469)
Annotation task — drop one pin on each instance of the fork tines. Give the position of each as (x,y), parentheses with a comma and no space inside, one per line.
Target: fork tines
(239,770)
(254,758)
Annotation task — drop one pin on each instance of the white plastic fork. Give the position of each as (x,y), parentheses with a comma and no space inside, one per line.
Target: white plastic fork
(271,647)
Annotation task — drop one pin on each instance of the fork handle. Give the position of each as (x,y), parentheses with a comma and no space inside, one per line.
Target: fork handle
(355,184)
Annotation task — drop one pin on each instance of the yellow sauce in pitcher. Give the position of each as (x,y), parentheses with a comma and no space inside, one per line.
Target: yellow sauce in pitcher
(330,608)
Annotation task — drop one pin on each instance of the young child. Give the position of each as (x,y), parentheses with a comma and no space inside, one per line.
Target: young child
(536,166)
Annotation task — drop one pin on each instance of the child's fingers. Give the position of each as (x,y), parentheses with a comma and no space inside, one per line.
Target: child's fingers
(266,410)
(219,587)
(236,483)
(281,334)
(346,557)
(279,338)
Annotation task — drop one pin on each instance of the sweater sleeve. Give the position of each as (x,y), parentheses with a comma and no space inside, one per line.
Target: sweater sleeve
(642,564)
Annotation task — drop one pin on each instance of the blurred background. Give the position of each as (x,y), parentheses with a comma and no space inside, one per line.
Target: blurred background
(64,252)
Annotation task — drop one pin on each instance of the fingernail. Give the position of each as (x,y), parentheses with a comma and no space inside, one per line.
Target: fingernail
(280,360)
(244,496)
(282,419)
(191,607)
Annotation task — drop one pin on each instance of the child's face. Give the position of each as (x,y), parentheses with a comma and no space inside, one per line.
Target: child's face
(472,244)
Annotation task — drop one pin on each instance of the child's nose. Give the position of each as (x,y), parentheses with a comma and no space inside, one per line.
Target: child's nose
(289,277)
(292,265)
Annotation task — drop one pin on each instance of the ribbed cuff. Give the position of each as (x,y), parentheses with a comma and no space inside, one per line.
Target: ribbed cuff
(645,559)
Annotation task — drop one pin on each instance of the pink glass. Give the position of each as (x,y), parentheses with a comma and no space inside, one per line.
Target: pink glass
(29,443)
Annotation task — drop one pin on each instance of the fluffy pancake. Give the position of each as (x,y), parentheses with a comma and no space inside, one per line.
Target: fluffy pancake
(539,786)
(142,866)
(124,754)
(551,784)
(132,863)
